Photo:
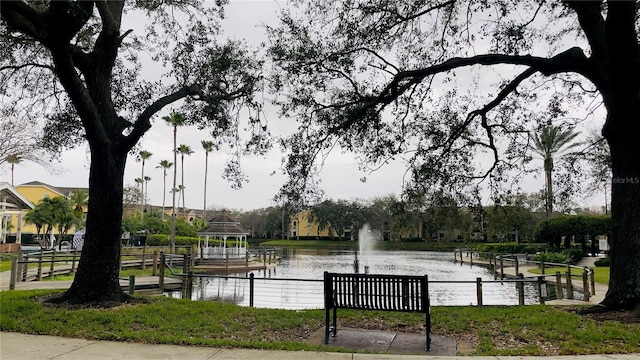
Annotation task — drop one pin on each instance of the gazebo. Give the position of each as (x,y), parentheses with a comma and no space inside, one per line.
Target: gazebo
(222,227)
(12,204)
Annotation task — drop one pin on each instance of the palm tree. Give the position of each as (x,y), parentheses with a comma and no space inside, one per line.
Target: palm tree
(146,180)
(183,150)
(175,120)
(13,160)
(37,216)
(79,201)
(208,147)
(139,188)
(144,155)
(164,164)
(551,142)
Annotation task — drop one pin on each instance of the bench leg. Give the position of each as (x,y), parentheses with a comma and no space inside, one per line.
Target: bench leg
(326,326)
(335,326)
(428,331)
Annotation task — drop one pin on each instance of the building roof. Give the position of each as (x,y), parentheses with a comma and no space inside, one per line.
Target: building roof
(11,198)
(63,191)
(222,224)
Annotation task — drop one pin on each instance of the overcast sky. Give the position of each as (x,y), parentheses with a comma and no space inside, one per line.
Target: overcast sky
(340,176)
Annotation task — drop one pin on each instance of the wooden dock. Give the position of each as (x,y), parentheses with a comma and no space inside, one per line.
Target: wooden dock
(142,283)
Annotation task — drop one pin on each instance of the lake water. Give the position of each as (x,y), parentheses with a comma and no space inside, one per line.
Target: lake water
(449,283)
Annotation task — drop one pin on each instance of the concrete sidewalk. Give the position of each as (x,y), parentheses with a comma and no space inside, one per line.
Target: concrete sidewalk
(14,346)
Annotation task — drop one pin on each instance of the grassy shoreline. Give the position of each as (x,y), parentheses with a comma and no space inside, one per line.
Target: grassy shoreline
(534,330)
(490,330)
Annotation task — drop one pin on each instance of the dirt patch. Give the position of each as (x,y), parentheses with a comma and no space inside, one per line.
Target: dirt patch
(622,316)
(53,301)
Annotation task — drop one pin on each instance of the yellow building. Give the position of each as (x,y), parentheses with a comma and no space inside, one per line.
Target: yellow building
(35,191)
(302,226)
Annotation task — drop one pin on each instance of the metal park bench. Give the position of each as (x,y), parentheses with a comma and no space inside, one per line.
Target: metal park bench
(375,292)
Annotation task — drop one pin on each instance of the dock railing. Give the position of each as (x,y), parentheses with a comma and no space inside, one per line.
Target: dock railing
(567,282)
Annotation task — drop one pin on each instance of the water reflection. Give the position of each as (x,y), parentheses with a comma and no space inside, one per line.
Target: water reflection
(274,288)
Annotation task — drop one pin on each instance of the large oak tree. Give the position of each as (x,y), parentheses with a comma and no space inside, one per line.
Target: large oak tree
(447,83)
(88,66)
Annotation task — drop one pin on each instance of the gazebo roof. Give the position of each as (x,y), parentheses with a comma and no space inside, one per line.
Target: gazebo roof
(14,201)
(223,225)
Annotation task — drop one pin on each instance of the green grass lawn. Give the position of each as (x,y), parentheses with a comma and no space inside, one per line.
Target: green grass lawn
(490,330)
(601,273)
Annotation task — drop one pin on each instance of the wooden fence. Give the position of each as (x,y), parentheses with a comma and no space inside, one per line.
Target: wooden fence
(573,279)
(34,266)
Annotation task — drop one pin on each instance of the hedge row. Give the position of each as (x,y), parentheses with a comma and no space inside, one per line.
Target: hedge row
(165,240)
(510,248)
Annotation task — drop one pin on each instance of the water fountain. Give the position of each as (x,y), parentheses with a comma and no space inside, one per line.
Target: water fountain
(366,242)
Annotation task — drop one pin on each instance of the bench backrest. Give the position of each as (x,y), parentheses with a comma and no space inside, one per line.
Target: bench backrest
(376,292)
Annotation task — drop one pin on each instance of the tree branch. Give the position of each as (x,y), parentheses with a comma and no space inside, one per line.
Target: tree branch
(143,123)
(25,65)
(570,60)
(23,18)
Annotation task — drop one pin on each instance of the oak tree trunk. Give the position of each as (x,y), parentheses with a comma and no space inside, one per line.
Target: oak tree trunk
(97,278)
(624,282)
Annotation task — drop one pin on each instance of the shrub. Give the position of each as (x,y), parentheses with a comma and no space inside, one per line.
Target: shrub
(508,248)
(604,262)
(552,257)
(574,254)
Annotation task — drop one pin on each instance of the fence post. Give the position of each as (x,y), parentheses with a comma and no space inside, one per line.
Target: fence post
(479,291)
(188,280)
(161,280)
(144,256)
(73,261)
(132,284)
(541,293)
(53,258)
(251,288)
(520,288)
(461,256)
(493,266)
(226,259)
(194,253)
(569,286)
(185,264)
(517,265)
(501,267)
(39,275)
(471,257)
(585,283)
(14,273)
(559,285)
(593,281)
(542,267)
(154,266)
(25,266)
